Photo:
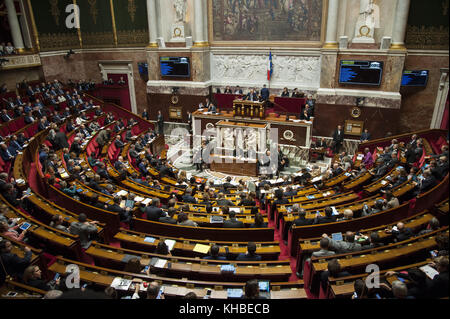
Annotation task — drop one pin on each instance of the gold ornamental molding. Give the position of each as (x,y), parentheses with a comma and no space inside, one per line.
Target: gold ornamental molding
(33,24)
(113,22)
(201,44)
(21,62)
(132,9)
(93,10)
(55,10)
(80,39)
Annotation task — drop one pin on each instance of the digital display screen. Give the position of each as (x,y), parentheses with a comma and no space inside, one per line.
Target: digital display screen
(175,66)
(415,78)
(361,72)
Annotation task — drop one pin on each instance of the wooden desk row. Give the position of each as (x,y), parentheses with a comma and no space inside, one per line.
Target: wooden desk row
(268,250)
(192,268)
(101,278)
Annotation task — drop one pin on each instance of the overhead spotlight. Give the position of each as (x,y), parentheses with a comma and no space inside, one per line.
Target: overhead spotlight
(68,54)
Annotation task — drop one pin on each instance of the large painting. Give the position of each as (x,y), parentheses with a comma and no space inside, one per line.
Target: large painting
(267,20)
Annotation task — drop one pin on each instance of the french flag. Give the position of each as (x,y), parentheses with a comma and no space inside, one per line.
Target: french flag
(270,67)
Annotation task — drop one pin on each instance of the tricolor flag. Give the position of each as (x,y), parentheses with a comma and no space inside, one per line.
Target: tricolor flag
(270,67)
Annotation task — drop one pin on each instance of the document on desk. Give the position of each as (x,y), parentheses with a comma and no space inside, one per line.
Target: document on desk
(121,284)
(146,201)
(429,271)
(170,243)
(122,193)
(138,199)
(203,249)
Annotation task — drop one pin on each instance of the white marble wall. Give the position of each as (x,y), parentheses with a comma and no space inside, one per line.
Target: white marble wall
(301,71)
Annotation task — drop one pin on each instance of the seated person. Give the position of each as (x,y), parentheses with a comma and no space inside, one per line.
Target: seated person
(233,222)
(214,254)
(250,255)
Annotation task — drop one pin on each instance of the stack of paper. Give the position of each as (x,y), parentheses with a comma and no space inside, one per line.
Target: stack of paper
(138,199)
(170,243)
(203,249)
(121,284)
(335,212)
(146,201)
(429,271)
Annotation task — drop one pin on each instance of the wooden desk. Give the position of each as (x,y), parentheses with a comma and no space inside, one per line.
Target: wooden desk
(233,166)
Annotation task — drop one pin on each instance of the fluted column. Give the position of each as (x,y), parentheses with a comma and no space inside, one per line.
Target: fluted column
(199,18)
(400,22)
(332,18)
(151,14)
(14,25)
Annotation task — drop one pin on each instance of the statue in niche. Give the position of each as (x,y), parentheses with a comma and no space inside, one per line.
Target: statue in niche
(368,20)
(180,9)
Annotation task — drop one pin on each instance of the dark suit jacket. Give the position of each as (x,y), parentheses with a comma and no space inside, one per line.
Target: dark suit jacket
(189,199)
(303,221)
(168,220)
(233,223)
(154,213)
(246,257)
(339,138)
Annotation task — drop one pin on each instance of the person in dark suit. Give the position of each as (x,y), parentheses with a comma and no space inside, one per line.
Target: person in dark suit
(14,265)
(14,145)
(265,93)
(402,233)
(125,215)
(153,212)
(212,108)
(169,219)
(118,142)
(188,198)
(365,136)
(233,222)
(333,270)
(214,254)
(5,116)
(228,90)
(251,96)
(305,116)
(328,218)
(250,255)
(189,120)
(338,139)
(145,115)
(301,220)
(160,123)
(5,153)
(438,287)
(259,222)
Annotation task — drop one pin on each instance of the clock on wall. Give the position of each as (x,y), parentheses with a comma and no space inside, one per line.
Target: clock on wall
(355,112)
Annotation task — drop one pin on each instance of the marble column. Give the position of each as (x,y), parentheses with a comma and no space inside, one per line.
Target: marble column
(400,22)
(16,33)
(199,34)
(152,25)
(332,19)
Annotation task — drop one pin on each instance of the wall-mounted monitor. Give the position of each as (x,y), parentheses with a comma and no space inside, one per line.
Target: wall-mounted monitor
(361,72)
(415,78)
(175,67)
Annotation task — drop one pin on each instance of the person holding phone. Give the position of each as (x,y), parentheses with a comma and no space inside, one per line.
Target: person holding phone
(32,276)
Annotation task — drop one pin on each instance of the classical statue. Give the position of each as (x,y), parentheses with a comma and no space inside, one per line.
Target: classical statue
(368,20)
(180,9)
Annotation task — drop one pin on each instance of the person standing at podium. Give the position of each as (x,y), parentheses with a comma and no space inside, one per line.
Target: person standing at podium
(160,123)
(265,93)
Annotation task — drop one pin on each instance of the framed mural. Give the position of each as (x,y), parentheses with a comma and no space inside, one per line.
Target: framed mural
(251,21)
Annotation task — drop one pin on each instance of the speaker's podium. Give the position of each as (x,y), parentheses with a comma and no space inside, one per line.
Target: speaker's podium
(249,109)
